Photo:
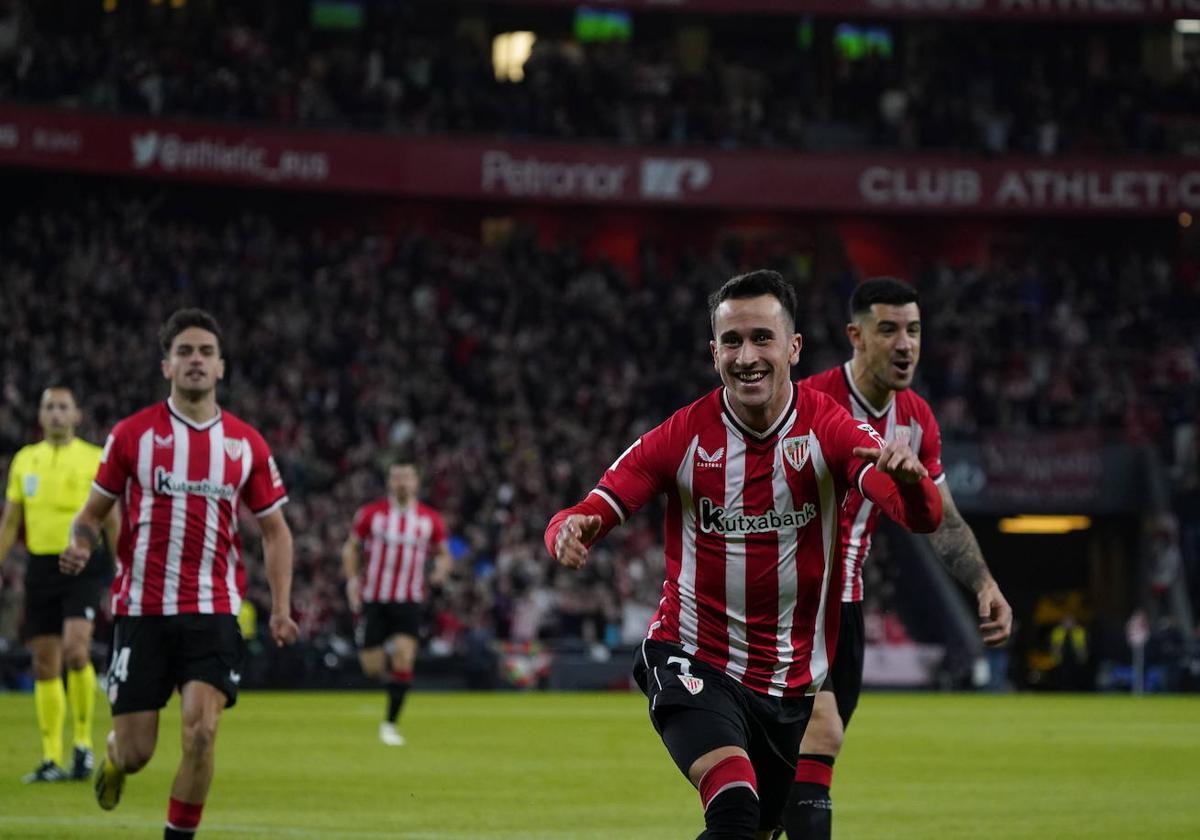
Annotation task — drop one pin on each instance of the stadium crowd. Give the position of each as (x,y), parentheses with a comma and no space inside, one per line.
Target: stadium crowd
(413,68)
(515,373)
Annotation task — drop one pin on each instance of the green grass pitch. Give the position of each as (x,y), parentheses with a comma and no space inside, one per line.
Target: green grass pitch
(589,766)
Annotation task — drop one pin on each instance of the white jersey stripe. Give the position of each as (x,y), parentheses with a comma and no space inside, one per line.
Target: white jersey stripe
(235,556)
(212,514)
(785,575)
(819,662)
(390,550)
(407,551)
(178,532)
(735,558)
(689,616)
(145,478)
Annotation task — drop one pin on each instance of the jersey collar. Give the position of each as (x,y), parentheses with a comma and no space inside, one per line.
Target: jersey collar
(784,420)
(862,401)
(199,427)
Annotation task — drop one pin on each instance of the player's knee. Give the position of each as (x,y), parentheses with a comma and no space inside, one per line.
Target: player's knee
(76,656)
(199,735)
(826,738)
(372,666)
(729,793)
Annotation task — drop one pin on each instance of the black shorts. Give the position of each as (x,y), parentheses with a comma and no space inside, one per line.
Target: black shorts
(380,621)
(152,655)
(722,713)
(52,597)
(846,674)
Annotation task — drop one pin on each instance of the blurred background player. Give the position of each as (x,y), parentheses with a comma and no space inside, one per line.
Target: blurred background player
(180,468)
(752,471)
(47,483)
(874,386)
(398,533)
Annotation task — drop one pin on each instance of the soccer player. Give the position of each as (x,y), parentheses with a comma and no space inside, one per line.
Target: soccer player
(754,473)
(47,483)
(180,468)
(885,331)
(398,533)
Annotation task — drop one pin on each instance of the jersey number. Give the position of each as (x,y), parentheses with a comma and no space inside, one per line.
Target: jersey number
(685,665)
(120,667)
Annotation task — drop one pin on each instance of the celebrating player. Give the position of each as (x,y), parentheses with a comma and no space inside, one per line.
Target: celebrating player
(180,467)
(754,473)
(885,331)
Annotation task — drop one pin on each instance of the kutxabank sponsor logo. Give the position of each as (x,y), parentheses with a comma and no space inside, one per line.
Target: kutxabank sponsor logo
(714,519)
(171,153)
(167,483)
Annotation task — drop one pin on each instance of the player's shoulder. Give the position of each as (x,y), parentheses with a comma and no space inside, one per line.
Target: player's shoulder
(911,404)
(150,417)
(372,507)
(832,381)
(86,448)
(237,427)
(692,418)
(813,402)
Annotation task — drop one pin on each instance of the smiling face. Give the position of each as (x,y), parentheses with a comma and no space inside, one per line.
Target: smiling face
(887,346)
(754,347)
(194,364)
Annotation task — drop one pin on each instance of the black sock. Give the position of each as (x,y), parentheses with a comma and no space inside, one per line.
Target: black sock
(396,692)
(175,834)
(731,815)
(809,812)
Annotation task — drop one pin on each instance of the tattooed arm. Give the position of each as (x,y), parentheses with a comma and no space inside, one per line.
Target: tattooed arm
(958,550)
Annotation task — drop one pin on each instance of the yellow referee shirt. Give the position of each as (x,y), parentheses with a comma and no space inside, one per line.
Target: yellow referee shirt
(52,482)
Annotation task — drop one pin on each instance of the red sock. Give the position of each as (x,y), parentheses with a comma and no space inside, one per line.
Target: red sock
(734,771)
(402,676)
(814,772)
(184,816)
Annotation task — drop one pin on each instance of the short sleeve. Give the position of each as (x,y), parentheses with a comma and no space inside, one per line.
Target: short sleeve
(265,492)
(16,487)
(839,433)
(361,527)
(640,473)
(115,464)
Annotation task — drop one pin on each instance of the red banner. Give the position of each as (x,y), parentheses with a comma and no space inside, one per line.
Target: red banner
(592,174)
(1127,10)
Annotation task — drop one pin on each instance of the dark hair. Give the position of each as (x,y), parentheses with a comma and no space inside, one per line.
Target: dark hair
(753,284)
(887,290)
(180,320)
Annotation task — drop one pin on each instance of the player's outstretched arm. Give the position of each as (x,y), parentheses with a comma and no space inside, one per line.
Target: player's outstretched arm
(277,555)
(901,486)
(572,532)
(958,550)
(85,532)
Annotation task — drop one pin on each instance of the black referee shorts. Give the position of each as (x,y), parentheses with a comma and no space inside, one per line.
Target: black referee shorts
(52,597)
(696,708)
(846,674)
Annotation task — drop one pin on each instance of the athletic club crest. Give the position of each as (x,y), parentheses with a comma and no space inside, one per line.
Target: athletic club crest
(693,684)
(233,448)
(795,449)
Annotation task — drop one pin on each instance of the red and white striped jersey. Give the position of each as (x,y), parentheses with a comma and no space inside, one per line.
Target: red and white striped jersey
(179,483)
(907,418)
(397,542)
(751,534)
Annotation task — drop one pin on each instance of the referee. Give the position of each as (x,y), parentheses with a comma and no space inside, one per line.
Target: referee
(47,483)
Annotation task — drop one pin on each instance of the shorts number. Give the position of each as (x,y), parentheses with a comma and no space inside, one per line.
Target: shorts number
(120,666)
(685,665)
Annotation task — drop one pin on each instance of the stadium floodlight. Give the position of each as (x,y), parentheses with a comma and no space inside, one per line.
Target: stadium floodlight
(1032,524)
(510,51)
